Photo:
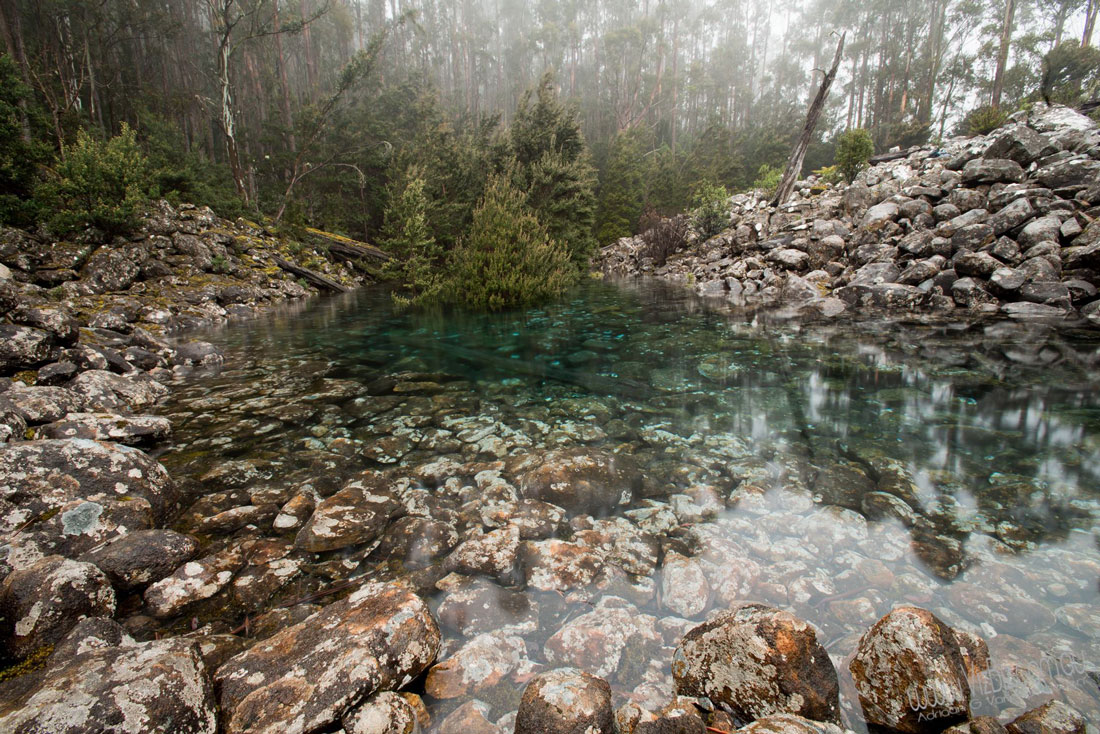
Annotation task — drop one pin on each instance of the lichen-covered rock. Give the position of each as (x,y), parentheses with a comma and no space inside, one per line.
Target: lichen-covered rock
(758,661)
(22,347)
(492,554)
(481,663)
(106,392)
(583,481)
(134,430)
(684,587)
(992,170)
(558,565)
(40,604)
(192,582)
(142,557)
(42,404)
(388,713)
(910,673)
(1054,717)
(475,605)
(40,477)
(110,271)
(158,687)
(53,320)
(615,638)
(790,724)
(357,514)
(566,701)
(197,354)
(307,676)
(680,716)
(471,717)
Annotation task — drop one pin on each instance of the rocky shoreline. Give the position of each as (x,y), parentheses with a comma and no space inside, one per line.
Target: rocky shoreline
(1001,225)
(87,544)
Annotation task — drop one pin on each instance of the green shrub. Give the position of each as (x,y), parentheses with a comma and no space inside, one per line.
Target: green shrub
(983,120)
(99,184)
(767,179)
(507,260)
(711,213)
(831,175)
(407,237)
(19,158)
(854,149)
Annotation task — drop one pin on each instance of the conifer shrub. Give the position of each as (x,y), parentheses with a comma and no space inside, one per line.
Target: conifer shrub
(854,149)
(507,260)
(711,213)
(983,120)
(407,237)
(100,184)
(662,235)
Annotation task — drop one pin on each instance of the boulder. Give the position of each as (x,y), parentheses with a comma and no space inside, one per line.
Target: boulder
(558,565)
(758,661)
(55,321)
(1054,717)
(882,295)
(22,347)
(614,638)
(357,514)
(142,557)
(910,674)
(566,701)
(388,713)
(976,264)
(790,724)
(582,481)
(878,216)
(492,554)
(684,588)
(307,676)
(192,582)
(1045,229)
(158,687)
(1017,143)
(1074,173)
(992,170)
(110,271)
(106,392)
(40,604)
(130,430)
(42,404)
(480,664)
(1013,215)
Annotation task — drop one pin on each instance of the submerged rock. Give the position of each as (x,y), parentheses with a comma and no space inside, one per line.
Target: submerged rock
(910,673)
(129,430)
(1050,718)
(758,661)
(583,481)
(357,514)
(613,639)
(566,701)
(142,557)
(306,677)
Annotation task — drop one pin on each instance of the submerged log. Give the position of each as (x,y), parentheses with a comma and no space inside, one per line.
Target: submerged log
(312,276)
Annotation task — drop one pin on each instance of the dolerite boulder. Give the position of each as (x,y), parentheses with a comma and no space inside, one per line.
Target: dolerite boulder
(388,713)
(492,554)
(357,514)
(158,687)
(40,604)
(583,481)
(53,320)
(790,724)
(110,271)
(566,701)
(193,582)
(992,170)
(681,716)
(758,661)
(42,404)
(614,640)
(910,673)
(22,347)
(107,392)
(306,677)
(1050,718)
(68,496)
(142,557)
(130,430)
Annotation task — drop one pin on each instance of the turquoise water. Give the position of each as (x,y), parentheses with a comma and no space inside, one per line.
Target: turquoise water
(834,469)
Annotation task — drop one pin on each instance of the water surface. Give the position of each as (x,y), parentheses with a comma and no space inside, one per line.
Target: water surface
(833,469)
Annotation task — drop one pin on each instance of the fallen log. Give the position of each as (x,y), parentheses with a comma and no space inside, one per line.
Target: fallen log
(347,249)
(887,157)
(311,276)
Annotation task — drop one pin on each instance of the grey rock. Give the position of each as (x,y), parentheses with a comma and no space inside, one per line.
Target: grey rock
(1017,213)
(992,170)
(614,639)
(22,347)
(41,603)
(359,513)
(583,481)
(566,701)
(883,295)
(1075,173)
(969,294)
(106,392)
(878,216)
(43,404)
(1007,281)
(56,374)
(307,676)
(1024,311)
(158,687)
(875,273)
(110,271)
(197,354)
(130,430)
(1046,229)
(1051,293)
(55,321)
(193,582)
(972,237)
(142,557)
(976,264)
(1018,143)
(1054,717)
(758,661)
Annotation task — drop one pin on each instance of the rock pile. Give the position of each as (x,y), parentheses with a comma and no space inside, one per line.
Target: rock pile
(1002,224)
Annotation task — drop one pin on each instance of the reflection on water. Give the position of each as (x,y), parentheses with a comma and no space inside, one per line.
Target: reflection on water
(836,470)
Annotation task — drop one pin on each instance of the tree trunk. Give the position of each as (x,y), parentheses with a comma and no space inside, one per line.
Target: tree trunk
(1090,21)
(794,166)
(284,84)
(1002,56)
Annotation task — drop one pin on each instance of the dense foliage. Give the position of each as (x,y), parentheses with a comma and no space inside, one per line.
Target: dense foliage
(99,184)
(711,213)
(854,149)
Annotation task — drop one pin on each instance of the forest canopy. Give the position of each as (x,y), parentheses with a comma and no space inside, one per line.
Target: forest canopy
(315,111)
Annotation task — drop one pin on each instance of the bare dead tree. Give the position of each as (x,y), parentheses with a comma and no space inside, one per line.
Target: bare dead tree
(794,165)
